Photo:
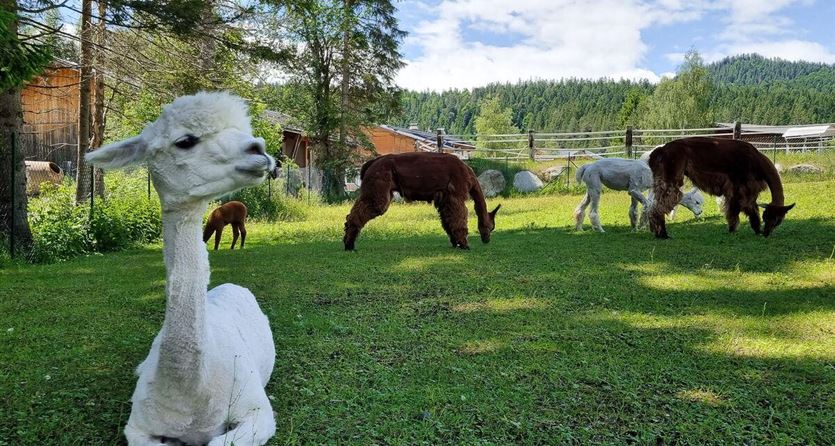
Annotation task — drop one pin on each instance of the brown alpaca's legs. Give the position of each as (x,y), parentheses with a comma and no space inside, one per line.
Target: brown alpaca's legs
(235,233)
(732,210)
(753,217)
(453,212)
(218,233)
(372,202)
(666,198)
(243,234)
(439,204)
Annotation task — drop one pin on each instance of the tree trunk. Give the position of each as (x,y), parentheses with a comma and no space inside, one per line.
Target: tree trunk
(97,138)
(346,73)
(10,121)
(83,184)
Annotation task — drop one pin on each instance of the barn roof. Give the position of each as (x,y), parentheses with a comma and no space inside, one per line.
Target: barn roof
(430,138)
(287,122)
(810,131)
(787,131)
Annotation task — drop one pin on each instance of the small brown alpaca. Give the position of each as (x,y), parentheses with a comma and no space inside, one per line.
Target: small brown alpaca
(234,213)
(722,167)
(437,178)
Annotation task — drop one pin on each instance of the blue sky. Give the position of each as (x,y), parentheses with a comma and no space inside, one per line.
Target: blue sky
(469,43)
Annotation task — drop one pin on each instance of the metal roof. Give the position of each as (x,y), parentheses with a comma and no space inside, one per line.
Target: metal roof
(810,131)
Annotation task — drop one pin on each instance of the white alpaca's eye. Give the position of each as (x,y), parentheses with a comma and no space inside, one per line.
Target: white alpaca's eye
(186,142)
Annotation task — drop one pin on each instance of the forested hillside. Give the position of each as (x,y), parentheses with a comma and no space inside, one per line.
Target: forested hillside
(749,88)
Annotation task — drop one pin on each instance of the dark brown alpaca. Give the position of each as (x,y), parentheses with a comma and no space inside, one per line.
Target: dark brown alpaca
(232,213)
(437,178)
(730,168)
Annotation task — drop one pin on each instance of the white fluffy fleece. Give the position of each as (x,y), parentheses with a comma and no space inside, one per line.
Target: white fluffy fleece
(203,380)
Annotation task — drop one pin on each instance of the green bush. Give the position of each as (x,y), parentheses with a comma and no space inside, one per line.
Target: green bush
(59,228)
(268,202)
(126,217)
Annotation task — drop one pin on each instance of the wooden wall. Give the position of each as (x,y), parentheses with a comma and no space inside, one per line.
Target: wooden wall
(50,116)
(387,142)
(295,147)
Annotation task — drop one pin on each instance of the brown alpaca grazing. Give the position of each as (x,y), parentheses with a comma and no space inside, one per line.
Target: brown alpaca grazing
(437,178)
(730,168)
(234,213)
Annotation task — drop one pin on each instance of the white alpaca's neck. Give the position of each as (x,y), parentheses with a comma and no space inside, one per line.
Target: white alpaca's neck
(187,277)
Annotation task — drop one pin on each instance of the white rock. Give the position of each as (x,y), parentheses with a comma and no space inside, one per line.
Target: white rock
(492,182)
(526,181)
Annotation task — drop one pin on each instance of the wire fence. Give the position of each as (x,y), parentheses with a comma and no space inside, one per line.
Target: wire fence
(47,168)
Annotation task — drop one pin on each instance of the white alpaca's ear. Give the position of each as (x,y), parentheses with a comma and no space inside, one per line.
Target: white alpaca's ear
(119,154)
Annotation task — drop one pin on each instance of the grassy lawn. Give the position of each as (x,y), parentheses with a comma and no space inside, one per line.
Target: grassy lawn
(544,336)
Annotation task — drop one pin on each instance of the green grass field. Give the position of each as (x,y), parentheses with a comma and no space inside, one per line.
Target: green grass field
(544,336)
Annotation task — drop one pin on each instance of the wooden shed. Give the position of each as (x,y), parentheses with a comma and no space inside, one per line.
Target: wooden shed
(50,115)
(296,144)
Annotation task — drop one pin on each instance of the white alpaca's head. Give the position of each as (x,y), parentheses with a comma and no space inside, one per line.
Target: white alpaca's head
(693,200)
(199,148)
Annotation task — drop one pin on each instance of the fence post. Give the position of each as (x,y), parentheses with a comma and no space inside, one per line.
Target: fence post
(774,149)
(531,149)
(440,140)
(12,195)
(568,170)
(627,140)
(149,184)
(92,191)
(737,129)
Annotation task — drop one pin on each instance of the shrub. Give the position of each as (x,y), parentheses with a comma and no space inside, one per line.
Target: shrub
(126,217)
(268,202)
(59,228)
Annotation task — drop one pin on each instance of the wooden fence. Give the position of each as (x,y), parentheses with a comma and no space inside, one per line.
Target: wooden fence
(628,143)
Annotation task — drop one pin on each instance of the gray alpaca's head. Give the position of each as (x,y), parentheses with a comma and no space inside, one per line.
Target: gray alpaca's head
(693,200)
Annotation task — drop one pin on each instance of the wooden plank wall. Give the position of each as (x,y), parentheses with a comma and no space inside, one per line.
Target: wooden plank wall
(50,117)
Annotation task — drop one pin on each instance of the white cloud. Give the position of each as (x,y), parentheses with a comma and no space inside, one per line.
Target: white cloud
(553,39)
(788,49)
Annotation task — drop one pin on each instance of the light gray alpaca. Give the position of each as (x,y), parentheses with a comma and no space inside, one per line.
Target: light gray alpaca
(633,176)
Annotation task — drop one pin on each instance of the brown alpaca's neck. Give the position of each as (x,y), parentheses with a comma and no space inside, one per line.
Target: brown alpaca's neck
(187,277)
(775,185)
(480,205)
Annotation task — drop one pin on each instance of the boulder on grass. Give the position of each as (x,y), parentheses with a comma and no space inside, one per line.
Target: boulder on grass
(553,172)
(805,169)
(492,182)
(527,181)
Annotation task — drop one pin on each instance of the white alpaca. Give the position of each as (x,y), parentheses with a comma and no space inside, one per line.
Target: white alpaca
(203,380)
(633,176)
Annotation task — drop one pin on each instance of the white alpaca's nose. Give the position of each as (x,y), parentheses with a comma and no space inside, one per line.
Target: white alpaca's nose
(256,147)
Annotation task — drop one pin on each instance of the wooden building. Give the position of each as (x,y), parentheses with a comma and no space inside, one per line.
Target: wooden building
(296,145)
(50,115)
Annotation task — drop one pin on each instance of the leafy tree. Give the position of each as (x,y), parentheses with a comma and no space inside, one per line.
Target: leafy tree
(628,115)
(20,60)
(494,120)
(681,102)
(346,56)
